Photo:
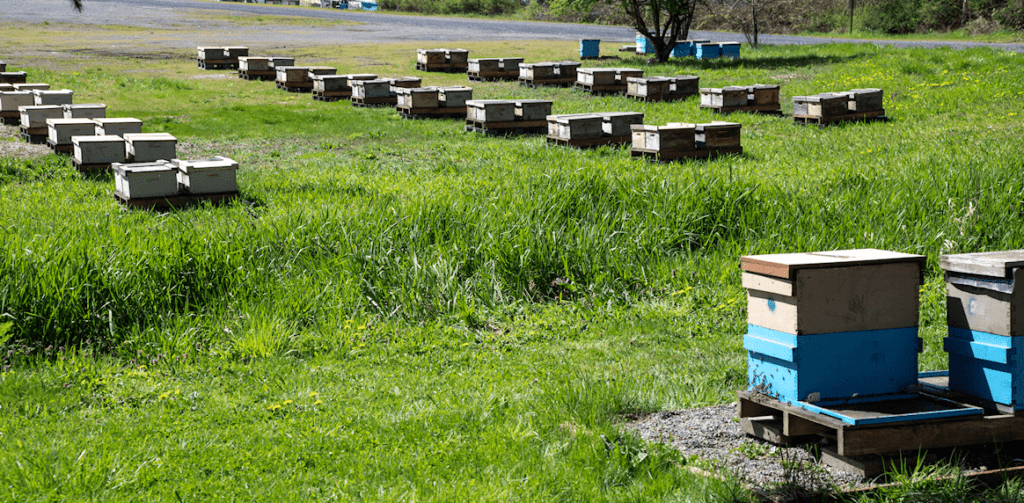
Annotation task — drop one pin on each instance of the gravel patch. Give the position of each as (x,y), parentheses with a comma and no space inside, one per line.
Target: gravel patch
(11,145)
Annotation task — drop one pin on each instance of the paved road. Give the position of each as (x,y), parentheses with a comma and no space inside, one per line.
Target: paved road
(374,27)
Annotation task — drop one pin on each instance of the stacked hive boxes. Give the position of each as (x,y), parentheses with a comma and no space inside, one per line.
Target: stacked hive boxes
(591,130)
(62,130)
(985,314)
(758,97)
(219,58)
(107,146)
(335,87)
(506,116)
(557,73)
(837,325)
(661,88)
(255,68)
(442,60)
(826,107)
(677,140)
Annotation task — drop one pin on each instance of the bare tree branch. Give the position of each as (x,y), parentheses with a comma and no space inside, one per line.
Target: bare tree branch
(77,4)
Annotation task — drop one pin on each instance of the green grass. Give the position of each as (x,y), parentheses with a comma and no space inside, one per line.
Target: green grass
(472,314)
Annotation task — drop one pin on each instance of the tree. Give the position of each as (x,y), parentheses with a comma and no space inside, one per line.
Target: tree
(663,22)
(77,4)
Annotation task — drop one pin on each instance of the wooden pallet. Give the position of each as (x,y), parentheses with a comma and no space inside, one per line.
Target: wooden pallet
(257,74)
(491,76)
(874,115)
(600,90)
(10,118)
(771,109)
(710,153)
(64,149)
(89,168)
(36,135)
(507,128)
(217,64)
(374,102)
(296,87)
(589,142)
(432,113)
(174,202)
(442,67)
(663,97)
(331,95)
(536,83)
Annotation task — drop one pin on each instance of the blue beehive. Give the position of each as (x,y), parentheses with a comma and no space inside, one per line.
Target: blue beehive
(729,49)
(643,45)
(369,5)
(985,313)
(682,49)
(343,5)
(590,48)
(707,51)
(832,325)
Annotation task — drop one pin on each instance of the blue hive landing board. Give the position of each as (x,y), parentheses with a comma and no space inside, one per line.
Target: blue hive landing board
(986,366)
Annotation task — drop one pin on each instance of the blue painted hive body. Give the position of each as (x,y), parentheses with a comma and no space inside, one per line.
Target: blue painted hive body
(985,314)
(729,49)
(682,49)
(832,325)
(590,48)
(644,45)
(368,5)
(707,51)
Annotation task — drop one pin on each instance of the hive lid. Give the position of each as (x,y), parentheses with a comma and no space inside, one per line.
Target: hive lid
(217,162)
(70,122)
(527,102)
(96,139)
(142,167)
(133,137)
(362,76)
(998,264)
(785,265)
(253,58)
(84,106)
(116,120)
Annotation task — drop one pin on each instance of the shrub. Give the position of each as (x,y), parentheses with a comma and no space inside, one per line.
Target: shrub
(895,16)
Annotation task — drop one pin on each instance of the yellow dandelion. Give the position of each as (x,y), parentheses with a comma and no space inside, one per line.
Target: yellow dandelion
(286,402)
(318,402)
(313,394)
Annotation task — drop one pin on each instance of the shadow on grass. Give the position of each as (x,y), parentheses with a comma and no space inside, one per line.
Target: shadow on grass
(762,63)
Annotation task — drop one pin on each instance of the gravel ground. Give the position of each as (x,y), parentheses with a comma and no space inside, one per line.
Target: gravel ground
(11,144)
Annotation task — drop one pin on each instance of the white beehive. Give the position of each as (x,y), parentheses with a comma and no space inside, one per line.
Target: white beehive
(420,97)
(732,96)
(98,149)
(85,111)
(146,179)
(149,147)
(648,87)
(491,110)
(618,123)
(378,88)
(532,110)
(321,70)
(207,176)
(278,61)
(32,87)
(58,97)
(596,76)
(11,101)
(485,65)
(578,127)
(117,126)
(537,70)
(35,116)
(453,97)
(292,75)
(236,52)
(430,56)
(212,53)
(672,137)
(253,63)
(61,130)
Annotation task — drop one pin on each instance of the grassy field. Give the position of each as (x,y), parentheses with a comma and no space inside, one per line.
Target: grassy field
(399,310)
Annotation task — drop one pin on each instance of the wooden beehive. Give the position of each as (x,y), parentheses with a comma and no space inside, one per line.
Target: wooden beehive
(763,94)
(236,52)
(405,82)
(99,149)
(651,87)
(672,137)
(6,88)
(830,325)
(61,130)
(207,176)
(330,83)
(11,101)
(732,96)
(377,88)
(430,56)
(618,123)
(596,76)
(491,110)
(537,70)
(456,57)
(865,100)
(321,70)
(117,126)
(149,147)
(279,61)
(36,116)
(254,64)
(418,97)
(576,126)
(454,97)
(800,105)
(145,179)
(32,86)
(532,110)
(827,105)
(718,134)
(622,75)
(567,70)
(13,77)
(293,76)
(685,84)
(85,111)
(485,65)
(53,97)
(212,53)
(509,64)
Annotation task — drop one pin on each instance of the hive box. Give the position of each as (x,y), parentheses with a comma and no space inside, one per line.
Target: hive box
(98,149)
(207,176)
(145,179)
(451,97)
(36,116)
(117,126)
(11,101)
(256,64)
(763,94)
(566,69)
(330,83)
(685,84)
(236,52)
(292,75)
(278,61)
(13,77)
(419,97)
(321,70)
(85,111)
(6,87)
(732,96)
(61,130)
(456,57)
(985,313)
(800,105)
(537,71)
(371,88)
(623,74)
(718,134)
(430,56)
(404,82)
(510,64)
(729,49)
(212,53)
(149,147)
(590,48)
(596,76)
(491,110)
(576,127)
(827,104)
(865,100)
(532,110)
(707,51)
(672,137)
(485,65)
(59,97)
(649,87)
(32,87)
(832,325)
(618,123)
(3,66)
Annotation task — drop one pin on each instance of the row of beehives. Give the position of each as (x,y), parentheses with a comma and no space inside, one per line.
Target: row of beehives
(219,58)
(442,60)
(839,103)
(835,325)
(698,48)
(163,178)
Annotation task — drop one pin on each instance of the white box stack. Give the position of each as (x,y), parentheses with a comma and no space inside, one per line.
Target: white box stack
(149,147)
(98,149)
(57,97)
(35,116)
(85,111)
(146,179)
(117,126)
(207,176)
(61,130)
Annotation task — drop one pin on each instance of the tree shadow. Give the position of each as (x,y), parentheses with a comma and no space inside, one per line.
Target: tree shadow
(773,63)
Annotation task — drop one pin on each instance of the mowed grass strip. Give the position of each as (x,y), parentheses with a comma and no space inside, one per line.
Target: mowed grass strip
(473,314)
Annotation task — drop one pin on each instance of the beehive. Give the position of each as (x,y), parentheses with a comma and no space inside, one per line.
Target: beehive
(643,44)
(419,97)
(279,61)
(404,82)
(253,63)
(567,69)
(207,176)
(212,53)
(3,66)
(729,49)
(321,70)
(85,111)
(61,130)
(485,65)
(532,110)
(491,110)
(330,83)
(800,105)
(145,179)
(456,57)
(577,126)
(377,88)
(32,87)
(149,147)
(707,51)
(648,87)
(732,96)
(763,94)
(55,97)
(6,88)
(672,137)
(865,100)
(452,97)
(590,48)
(11,101)
(236,52)
(618,123)
(36,116)
(99,149)
(827,105)
(832,325)
(430,56)
(292,76)
(596,76)
(718,134)
(623,74)
(985,314)
(13,77)
(684,84)
(510,64)
(537,70)
(117,126)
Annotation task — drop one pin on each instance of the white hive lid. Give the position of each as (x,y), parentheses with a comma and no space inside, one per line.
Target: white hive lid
(785,265)
(96,139)
(997,264)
